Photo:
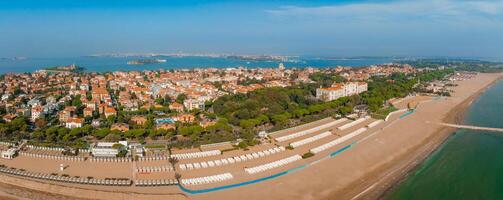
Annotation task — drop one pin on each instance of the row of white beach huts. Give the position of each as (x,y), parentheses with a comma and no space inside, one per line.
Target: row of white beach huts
(66,179)
(207,179)
(54,157)
(275,164)
(157,182)
(309,131)
(200,154)
(150,169)
(230,160)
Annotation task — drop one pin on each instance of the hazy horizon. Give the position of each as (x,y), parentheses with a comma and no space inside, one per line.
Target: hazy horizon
(438,28)
(209,54)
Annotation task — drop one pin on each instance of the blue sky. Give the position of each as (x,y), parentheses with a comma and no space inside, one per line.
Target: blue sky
(57,28)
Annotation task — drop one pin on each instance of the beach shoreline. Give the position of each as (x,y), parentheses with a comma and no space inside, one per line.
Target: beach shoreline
(393,178)
(368,171)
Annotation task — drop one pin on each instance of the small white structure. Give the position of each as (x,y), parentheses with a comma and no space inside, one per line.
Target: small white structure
(106,149)
(137,149)
(9,154)
(96,123)
(263,134)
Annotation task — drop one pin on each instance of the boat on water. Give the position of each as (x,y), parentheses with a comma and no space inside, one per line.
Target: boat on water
(146,61)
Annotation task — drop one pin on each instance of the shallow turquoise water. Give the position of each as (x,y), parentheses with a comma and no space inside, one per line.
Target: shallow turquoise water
(469,165)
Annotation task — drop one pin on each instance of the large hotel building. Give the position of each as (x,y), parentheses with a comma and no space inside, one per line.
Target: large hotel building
(339,90)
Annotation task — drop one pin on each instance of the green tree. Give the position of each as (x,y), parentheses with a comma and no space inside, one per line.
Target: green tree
(76,101)
(180,98)
(101,133)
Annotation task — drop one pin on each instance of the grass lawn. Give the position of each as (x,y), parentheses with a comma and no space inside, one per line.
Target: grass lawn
(383,112)
(155,146)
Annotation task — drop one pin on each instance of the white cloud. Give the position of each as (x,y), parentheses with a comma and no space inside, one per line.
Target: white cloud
(437,10)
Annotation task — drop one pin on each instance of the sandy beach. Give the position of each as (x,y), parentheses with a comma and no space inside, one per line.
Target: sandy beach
(376,164)
(380,158)
(396,171)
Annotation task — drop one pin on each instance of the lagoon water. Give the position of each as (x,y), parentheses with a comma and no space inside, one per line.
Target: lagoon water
(102,64)
(469,165)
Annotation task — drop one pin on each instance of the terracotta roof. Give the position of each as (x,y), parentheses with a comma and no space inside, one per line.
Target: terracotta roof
(74,120)
(332,88)
(110,110)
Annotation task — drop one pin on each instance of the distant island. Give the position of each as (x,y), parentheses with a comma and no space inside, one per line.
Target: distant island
(146,61)
(259,58)
(279,58)
(14,58)
(68,68)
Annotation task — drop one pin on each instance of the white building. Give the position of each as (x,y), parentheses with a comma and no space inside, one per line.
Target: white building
(137,149)
(36,112)
(34,102)
(353,88)
(191,104)
(263,134)
(281,66)
(5,97)
(84,87)
(73,123)
(9,154)
(339,90)
(106,149)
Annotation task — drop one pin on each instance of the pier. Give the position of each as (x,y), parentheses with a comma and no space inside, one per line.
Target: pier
(478,128)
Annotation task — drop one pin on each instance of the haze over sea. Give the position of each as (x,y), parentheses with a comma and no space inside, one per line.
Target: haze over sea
(470,163)
(106,63)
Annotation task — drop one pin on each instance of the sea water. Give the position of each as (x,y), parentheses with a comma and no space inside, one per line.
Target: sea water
(107,63)
(469,165)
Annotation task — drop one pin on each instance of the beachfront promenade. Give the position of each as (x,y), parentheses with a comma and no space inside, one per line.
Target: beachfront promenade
(477,128)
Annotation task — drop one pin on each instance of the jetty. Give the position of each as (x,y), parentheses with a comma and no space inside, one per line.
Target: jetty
(478,128)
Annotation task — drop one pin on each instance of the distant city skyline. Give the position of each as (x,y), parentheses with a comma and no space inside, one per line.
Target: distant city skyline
(63,28)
